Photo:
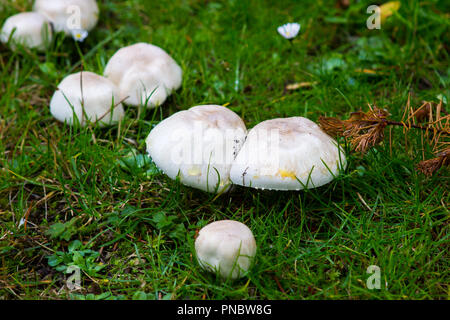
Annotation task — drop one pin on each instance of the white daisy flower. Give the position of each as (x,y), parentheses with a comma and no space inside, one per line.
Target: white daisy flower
(289,30)
(79,34)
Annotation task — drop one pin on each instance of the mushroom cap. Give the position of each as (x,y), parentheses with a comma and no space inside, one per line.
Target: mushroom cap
(30,29)
(278,152)
(99,95)
(198,145)
(144,73)
(60,13)
(226,246)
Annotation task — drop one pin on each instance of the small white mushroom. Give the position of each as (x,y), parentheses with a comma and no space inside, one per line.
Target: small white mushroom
(90,98)
(145,74)
(227,247)
(287,154)
(30,29)
(69,16)
(198,145)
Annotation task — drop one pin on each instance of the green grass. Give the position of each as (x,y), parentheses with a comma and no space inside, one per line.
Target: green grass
(137,227)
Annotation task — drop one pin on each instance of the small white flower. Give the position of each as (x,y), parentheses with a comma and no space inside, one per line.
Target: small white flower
(79,34)
(289,30)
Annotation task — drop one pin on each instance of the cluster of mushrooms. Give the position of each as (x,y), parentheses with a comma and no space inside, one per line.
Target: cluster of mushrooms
(140,74)
(35,29)
(207,147)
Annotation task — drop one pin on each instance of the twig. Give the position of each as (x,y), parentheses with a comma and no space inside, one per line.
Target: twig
(366,130)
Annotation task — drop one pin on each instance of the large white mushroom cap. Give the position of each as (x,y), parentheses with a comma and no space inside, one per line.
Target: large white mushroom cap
(227,247)
(29,29)
(198,145)
(69,15)
(144,73)
(95,93)
(280,153)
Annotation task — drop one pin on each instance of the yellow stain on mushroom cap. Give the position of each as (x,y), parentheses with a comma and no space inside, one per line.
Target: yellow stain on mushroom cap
(195,171)
(224,182)
(287,174)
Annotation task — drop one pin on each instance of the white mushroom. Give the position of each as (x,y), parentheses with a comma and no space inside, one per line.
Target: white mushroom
(287,154)
(95,95)
(198,145)
(145,74)
(29,29)
(70,16)
(227,247)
